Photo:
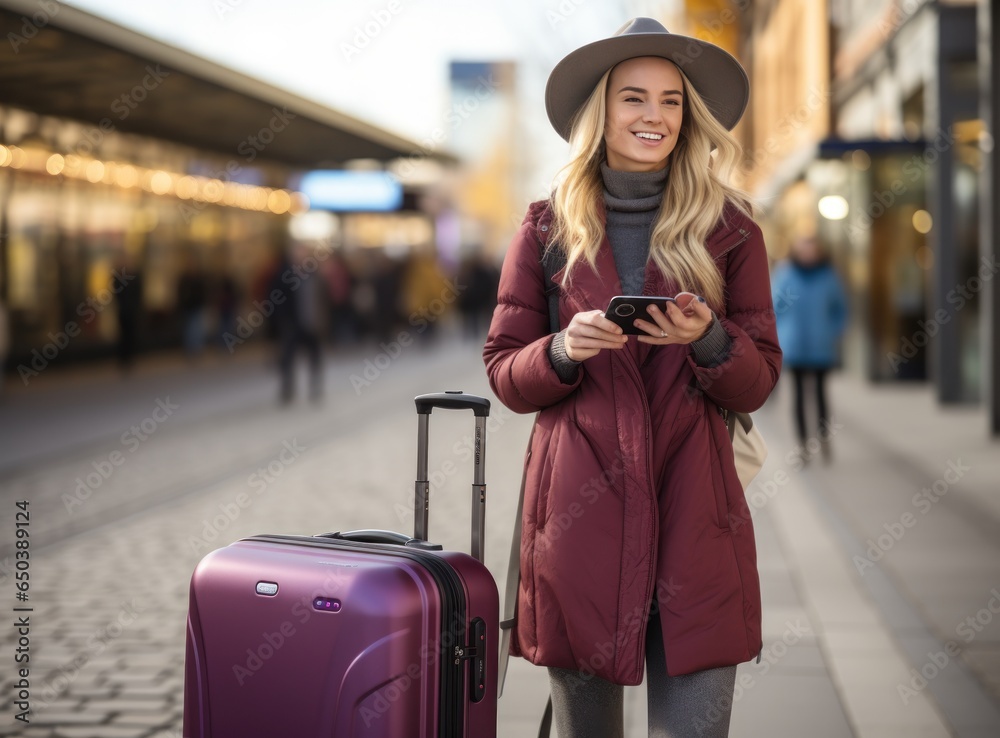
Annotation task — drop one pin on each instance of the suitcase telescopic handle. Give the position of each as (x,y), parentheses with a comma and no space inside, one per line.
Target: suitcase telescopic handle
(480,407)
(454,400)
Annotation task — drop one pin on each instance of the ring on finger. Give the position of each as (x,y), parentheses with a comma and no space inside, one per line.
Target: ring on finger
(663,334)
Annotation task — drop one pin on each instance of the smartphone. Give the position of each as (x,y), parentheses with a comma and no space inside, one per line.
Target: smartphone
(623,310)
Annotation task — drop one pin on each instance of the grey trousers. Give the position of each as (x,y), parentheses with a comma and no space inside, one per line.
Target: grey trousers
(695,705)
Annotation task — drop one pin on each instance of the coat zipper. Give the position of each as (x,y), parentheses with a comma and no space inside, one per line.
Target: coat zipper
(647,425)
(655,538)
(743,232)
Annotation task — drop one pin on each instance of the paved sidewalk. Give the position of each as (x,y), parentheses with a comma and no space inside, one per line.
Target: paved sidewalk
(840,638)
(875,651)
(898,549)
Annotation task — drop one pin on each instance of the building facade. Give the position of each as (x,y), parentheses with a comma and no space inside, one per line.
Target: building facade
(867,131)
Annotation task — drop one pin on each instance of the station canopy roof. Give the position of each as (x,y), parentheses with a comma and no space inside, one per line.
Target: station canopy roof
(76,65)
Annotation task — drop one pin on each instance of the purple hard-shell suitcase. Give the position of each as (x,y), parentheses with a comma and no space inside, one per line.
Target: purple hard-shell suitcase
(367,634)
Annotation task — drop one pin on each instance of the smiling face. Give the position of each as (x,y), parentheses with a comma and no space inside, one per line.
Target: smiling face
(644,112)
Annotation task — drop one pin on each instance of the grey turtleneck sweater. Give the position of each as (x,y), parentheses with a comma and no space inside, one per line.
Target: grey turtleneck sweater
(632,201)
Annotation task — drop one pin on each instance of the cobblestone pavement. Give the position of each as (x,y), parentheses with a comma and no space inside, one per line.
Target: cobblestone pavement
(109,599)
(113,553)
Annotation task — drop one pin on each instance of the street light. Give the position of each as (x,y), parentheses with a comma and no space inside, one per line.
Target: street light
(833,207)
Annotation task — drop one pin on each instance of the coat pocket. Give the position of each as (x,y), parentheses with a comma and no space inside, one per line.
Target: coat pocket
(719,492)
(543,483)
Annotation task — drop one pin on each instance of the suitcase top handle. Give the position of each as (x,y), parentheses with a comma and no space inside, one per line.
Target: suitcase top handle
(452,400)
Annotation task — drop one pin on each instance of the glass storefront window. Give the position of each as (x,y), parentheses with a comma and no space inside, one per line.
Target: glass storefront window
(881,247)
(965,239)
(76,218)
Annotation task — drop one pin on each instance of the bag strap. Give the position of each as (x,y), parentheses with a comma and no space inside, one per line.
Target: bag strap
(510,590)
(510,609)
(546,727)
(731,418)
(553,259)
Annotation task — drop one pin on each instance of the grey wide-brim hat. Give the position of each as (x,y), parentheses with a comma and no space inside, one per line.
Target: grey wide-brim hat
(715,73)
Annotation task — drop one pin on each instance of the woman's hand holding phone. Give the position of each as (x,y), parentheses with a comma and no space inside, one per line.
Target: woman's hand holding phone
(590,332)
(687,318)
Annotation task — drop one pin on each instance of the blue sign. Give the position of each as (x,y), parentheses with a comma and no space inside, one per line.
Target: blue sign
(345,191)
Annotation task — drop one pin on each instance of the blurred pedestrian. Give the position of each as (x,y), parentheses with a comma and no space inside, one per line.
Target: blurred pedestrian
(129,304)
(226,298)
(478,278)
(340,288)
(628,558)
(299,318)
(811,311)
(382,298)
(426,293)
(192,297)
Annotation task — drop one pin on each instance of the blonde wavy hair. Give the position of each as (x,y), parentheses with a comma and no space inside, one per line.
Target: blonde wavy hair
(693,200)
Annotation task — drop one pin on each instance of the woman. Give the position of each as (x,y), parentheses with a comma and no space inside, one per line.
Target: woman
(628,558)
(812,315)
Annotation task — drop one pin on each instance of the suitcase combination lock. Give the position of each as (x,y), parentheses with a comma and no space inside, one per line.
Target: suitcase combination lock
(475,654)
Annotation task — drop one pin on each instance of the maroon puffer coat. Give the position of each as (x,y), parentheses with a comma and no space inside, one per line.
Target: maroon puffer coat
(630,482)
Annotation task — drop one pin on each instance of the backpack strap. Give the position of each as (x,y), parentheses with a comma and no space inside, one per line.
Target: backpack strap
(553,259)
(509,621)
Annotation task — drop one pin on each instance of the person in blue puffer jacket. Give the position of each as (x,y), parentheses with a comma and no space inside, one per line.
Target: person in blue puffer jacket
(811,312)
